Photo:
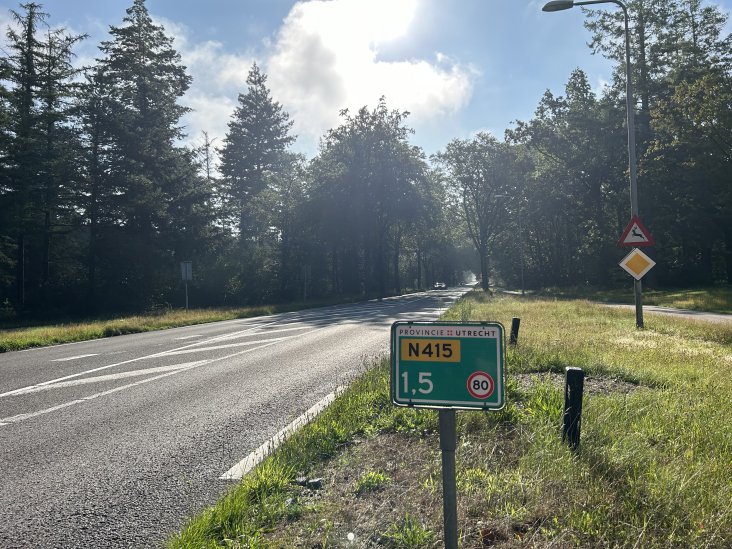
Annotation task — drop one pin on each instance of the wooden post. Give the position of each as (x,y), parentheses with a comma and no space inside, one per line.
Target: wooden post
(448,444)
(574,383)
(513,337)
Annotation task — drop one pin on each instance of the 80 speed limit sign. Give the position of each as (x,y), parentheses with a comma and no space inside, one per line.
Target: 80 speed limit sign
(448,365)
(481,385)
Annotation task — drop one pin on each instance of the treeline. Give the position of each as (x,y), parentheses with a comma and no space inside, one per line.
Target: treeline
(572,157)
(100,202)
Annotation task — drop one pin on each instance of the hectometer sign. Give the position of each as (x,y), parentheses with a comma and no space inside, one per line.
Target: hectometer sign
(448,365)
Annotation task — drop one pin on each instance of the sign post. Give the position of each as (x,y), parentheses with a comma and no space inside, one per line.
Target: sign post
(636,235)
(448,366)
(186,273)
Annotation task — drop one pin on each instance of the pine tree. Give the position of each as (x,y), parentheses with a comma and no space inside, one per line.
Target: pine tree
(258,135)
(41,152)
(153,179)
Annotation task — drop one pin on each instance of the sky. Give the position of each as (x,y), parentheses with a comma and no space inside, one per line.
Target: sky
(458,66)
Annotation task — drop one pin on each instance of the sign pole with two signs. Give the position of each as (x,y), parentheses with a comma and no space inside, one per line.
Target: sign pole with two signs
(448,366)
(636,263)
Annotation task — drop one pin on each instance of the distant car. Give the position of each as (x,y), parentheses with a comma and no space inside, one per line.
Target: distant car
(440,286)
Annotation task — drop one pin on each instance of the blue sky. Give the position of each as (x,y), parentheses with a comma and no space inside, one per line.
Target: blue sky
(459,66)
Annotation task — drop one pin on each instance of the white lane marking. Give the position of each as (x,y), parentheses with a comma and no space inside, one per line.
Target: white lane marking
(23,417)
(164,353)
(73,357)
(112,377)
(154,355)
(189,337)
(275,329)
(258,455)
(229,345)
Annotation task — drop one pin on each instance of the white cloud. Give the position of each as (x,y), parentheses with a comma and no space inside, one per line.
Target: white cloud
(325,58)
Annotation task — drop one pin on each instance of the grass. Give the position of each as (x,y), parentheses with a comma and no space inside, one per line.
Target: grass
(42,336)
(371,481)
(653,469)
(715,299)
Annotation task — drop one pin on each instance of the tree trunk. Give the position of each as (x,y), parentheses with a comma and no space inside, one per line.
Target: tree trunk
(380,266)
(47,249)
(707,274)
(367,271)
(484,270)
(20,278)
(419,269)
(397,282)
(93,226)
(334,271)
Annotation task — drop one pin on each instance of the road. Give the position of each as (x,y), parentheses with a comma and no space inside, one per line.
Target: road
(688,314)
(114,442)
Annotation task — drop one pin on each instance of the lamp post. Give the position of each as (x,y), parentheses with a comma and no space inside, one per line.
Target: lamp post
(521,239)
(559,5)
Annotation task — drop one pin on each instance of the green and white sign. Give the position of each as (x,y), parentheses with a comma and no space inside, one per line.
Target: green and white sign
(448,365)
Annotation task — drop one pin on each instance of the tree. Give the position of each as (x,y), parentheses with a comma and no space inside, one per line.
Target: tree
(157,193)
(579,146)
(258,135)
(368,172)
(478,169)
(41,154)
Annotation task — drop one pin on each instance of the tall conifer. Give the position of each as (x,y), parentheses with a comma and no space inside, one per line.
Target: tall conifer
(258,135)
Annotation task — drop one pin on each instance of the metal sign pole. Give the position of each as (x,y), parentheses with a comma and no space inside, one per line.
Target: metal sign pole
(448,444)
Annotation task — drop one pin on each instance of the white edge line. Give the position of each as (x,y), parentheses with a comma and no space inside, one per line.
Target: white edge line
(259,455)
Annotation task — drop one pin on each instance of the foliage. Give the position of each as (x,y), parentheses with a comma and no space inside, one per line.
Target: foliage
(410,534)
(371,481)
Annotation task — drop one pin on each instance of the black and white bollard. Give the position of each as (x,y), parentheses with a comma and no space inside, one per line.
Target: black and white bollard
(574,384)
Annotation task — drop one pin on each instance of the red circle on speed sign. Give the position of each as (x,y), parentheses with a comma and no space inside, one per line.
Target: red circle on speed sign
(480,385)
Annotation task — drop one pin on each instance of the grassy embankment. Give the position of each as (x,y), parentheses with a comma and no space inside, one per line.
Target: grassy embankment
(715,299)
(654,468)
(16,339)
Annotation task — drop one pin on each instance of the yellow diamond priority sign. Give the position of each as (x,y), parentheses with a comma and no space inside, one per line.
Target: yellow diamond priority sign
(637,264)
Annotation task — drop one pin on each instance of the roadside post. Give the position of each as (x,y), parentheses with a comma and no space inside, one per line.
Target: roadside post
(574,384)
(186,273)
(513,336)
(448,366)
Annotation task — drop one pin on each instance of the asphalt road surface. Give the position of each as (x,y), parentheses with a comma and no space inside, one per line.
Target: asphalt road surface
(115,442)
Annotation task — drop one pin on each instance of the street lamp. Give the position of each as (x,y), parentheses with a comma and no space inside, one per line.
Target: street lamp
(559,5)
(521,239)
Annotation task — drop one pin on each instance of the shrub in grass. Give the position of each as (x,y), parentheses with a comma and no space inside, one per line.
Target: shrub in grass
(410,534)
(371,481)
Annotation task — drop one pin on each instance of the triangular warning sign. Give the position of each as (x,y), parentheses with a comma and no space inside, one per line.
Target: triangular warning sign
(636,235)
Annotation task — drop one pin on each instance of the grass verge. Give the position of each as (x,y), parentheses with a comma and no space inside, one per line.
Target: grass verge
(654,468)
(42,336)
(713,299)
